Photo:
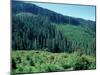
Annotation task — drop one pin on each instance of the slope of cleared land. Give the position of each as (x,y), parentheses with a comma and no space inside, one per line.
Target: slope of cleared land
(43,61)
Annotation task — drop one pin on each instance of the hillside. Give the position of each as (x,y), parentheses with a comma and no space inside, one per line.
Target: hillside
(19,6)
(37,28)
(82,38)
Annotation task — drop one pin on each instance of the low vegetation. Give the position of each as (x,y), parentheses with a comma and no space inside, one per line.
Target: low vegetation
(43,61)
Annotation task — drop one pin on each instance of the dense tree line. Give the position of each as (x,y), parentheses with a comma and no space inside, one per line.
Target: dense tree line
(36,32)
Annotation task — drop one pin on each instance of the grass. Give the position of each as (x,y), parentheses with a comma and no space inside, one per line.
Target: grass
(43,61)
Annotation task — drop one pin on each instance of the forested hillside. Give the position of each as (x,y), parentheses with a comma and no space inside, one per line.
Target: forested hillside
(38,33)
(18,6)
(38,28)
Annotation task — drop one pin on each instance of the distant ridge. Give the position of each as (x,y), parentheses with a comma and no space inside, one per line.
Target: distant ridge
(21,6)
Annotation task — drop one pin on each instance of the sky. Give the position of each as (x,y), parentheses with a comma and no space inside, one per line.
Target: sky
(79,11)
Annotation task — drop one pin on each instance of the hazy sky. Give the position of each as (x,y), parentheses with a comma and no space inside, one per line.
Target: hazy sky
(79,11)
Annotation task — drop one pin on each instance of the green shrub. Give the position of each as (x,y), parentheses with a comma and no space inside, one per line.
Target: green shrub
(55,67)
(93,65)
(34,70)
(43,67)
(91,61)
(64,63)
(20,68)
(78,62)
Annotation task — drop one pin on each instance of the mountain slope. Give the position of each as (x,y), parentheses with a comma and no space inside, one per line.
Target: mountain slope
(19,6)
(36,28)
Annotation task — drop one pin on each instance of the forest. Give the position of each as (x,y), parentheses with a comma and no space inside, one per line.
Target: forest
(42,38)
